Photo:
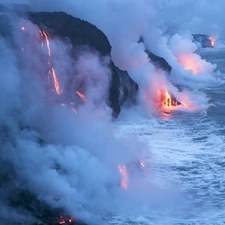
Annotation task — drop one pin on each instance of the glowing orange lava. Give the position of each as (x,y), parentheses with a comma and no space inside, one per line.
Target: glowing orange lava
(65,220)
(189,63)
(56,82)
(124,176)
(82,96)
(213,41)
(47,42)
(52,70)
(168,102)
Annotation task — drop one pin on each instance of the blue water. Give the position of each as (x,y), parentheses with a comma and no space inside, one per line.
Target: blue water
(187,158)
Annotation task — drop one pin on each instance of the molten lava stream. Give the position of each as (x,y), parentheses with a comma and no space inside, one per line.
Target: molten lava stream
(56,82)
(82,96)
(168,102)
(52,70)
(124,177)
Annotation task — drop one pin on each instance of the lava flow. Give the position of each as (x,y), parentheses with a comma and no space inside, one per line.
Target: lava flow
(124,176)
(56,82)
(168,101)
(51,70)
(82,96)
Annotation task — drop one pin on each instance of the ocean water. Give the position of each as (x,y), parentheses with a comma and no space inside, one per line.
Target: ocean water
(186,159)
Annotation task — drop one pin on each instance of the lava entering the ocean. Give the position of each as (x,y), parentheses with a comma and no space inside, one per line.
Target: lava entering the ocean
(168,101)
(213,41)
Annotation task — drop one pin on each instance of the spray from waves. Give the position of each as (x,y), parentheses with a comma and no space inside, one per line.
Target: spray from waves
(49,130)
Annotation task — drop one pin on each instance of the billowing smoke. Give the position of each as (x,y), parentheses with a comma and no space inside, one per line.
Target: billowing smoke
(57,138)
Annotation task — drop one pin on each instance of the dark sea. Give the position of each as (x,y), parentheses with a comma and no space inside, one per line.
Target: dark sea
(186,158)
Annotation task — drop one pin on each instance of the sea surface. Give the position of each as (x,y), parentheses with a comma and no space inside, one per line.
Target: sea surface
(186,158)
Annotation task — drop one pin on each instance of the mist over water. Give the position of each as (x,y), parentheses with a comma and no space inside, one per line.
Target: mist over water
(60,146)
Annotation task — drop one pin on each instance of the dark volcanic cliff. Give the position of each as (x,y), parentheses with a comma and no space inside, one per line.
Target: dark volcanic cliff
(203,40)
(81,33)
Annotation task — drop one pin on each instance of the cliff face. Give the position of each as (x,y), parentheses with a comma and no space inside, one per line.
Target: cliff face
(203,40)
(81,33)
(31,52)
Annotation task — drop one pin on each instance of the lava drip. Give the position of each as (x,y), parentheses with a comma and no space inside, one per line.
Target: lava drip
(51,70)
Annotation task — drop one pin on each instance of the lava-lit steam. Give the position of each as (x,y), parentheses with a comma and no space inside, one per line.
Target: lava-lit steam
(52,145)
(124,176)
(213,41)
(189,63)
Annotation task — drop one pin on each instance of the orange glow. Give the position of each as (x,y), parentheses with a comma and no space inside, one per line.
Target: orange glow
(168,101)
(82,96)
(213,41)
(56,82)
(47,42)
(189,63)
(42,35)
(124,176)
(52,70)
(70,220)
(66,220)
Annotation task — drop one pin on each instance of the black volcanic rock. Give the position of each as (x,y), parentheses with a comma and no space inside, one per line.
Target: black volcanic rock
(28,202)
(203,39)
(82,33)
(159,62)
(128,88)
(78,31)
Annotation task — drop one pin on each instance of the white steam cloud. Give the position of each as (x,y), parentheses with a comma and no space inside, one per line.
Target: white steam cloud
(64,147)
